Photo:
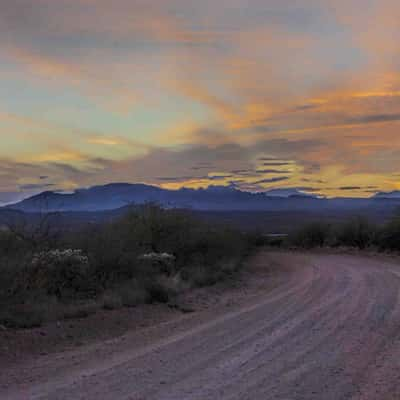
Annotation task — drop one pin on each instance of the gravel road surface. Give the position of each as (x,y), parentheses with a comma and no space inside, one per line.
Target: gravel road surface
(327,329)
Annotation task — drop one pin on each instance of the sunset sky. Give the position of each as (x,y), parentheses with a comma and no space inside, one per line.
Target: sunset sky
(259,94)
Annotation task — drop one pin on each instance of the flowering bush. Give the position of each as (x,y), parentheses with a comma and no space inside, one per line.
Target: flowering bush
(58,272)
(56,256)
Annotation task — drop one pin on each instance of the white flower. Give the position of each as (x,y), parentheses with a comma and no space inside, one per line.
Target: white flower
(56,256)
(160,257)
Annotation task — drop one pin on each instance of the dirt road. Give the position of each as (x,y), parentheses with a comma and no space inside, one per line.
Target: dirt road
(327,328)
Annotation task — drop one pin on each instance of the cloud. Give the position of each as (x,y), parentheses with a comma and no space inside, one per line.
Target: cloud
(276,163)
(305,107)
(271,171)
(125,91)
(36,186)
(106,141)
(250,172)
(350,188)
(179,178)
(219,177)
(99,88)
(272,180)
(375,118)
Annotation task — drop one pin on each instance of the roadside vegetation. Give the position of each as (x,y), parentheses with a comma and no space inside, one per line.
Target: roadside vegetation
(358,233)
(149,255)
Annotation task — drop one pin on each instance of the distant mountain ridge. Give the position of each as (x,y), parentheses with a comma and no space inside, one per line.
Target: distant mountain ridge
(388,195)
(116,195)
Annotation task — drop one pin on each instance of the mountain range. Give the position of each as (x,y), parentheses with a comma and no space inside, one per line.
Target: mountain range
(215,198)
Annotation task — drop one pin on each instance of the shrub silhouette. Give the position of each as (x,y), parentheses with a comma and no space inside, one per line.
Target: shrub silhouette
(312,235)
(390,234)
(358,232)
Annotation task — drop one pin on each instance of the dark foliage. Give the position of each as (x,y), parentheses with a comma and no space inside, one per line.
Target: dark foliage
(148,255)
(357,232)
(315,234)
(389,237)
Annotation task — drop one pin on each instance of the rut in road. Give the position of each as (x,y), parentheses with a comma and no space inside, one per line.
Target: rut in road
(330,331)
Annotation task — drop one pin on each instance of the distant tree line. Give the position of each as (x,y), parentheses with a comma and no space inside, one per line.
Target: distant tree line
(357,232)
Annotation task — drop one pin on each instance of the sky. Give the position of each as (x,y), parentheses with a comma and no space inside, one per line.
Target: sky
(259,94)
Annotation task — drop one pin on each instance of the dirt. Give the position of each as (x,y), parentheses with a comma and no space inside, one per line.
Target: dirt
(293,326)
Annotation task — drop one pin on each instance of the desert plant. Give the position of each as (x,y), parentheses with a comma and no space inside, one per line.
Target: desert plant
(389,237)
(358,232)
(148,255)
(316,234)
(132,293)
(22,318)
(57,272)
(78,309)
(112,301)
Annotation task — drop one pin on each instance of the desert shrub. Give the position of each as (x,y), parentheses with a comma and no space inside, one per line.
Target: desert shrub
(112,301)
(158,293)
(148,255)
(316,234)
(23,316)
(78,310)
(159,263)
(358,232)
(111,259)
(200,275)
(389,238)
(11,244)
(14,255)
(173,285)
(150,241)
(163,288)
(133,293)
(10,271)
(258,238)
(57,272)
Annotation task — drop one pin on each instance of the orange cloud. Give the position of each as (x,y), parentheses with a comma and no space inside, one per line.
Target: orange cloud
(102,89)
(232,75)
